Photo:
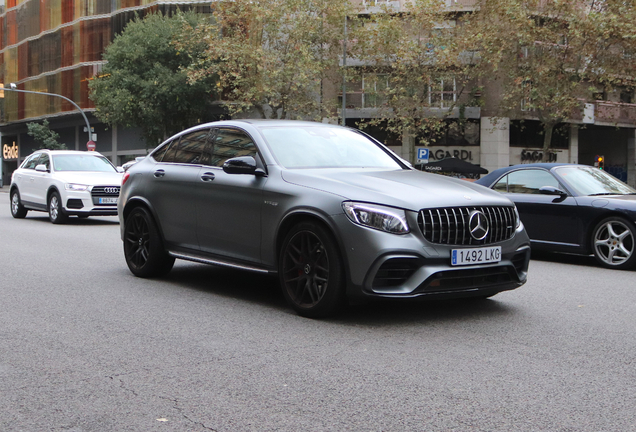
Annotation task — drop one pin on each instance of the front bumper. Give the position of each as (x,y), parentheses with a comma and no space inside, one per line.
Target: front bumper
(86,203)
(407,266)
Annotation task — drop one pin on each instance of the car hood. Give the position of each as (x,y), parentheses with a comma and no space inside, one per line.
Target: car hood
(90,178)
(407,189)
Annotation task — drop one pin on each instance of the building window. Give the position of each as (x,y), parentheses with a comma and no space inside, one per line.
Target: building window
(442,92)
(369,91)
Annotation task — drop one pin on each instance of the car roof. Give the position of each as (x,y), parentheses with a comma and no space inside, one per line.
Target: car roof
(62,152)
(489,179)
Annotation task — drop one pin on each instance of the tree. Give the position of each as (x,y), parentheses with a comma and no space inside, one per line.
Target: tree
(47,138)
(552,56)
(415,69)
(270,56)
(144,83)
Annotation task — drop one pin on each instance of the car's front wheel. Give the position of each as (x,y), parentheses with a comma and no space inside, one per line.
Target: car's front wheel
(311,271)
(57,215)
(143,246)
(613,243)
(18,211)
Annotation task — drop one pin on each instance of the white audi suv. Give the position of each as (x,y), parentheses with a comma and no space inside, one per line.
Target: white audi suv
(65,183)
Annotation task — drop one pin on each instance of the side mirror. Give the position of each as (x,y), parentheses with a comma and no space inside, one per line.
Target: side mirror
(551,190)
(242,165)
(41,168)
(120,169)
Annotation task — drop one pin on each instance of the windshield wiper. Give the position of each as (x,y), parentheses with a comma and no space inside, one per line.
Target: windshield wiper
(605,193)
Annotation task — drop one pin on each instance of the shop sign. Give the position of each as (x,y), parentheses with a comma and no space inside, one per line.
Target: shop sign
(10,151)
(531,156)
(437,153)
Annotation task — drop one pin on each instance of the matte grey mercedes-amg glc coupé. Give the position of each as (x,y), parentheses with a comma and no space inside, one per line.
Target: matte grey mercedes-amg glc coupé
(332,211)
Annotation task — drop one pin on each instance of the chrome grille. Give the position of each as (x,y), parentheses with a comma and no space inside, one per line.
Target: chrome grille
(451,225)
(105,191)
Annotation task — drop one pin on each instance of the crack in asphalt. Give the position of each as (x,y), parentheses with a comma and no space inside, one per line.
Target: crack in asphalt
(180,410)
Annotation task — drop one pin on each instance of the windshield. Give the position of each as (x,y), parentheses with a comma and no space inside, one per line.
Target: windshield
(88,162)
(325,147)
(593,181)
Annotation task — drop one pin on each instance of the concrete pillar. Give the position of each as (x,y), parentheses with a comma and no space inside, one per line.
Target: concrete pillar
(574,143)
(631,158)
(495,142)
(408,147)
(113,155)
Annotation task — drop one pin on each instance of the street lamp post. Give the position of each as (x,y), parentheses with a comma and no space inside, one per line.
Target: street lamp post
(12,87)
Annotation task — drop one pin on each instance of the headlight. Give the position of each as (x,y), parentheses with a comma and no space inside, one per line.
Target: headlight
(75,187)
(518,218)
(378,217)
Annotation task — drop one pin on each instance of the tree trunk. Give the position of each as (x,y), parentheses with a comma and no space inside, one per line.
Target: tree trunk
(547,138)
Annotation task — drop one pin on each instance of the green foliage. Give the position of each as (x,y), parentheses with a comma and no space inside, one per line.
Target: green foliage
(270,56)
(545,54)
(423,59)
(47,138)
(144,83)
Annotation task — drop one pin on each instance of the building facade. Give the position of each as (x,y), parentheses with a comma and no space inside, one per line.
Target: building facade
(56,46)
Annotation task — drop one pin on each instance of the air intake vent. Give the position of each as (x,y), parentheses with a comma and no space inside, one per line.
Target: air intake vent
(452,225)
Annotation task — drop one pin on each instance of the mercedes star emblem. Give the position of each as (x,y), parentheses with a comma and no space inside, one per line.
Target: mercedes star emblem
(478,224)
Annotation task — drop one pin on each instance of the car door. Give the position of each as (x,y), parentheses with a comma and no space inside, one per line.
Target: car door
(171,188)
(41,180)
(25,180)
(229,205)
(547,218)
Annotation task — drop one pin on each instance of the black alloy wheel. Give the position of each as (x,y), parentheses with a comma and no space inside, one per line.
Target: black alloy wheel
(311,272)
(18,211)
(613,243)
(143,246)
(57,215)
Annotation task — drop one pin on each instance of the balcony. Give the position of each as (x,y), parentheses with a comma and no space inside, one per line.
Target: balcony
(607,113)
(377,6)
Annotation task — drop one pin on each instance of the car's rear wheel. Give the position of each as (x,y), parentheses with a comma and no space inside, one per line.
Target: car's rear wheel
(18,211)
(311,271)
(613,243)
(57,215)
(143,246)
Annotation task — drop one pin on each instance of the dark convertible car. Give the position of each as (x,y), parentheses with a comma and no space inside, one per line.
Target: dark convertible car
(572,208)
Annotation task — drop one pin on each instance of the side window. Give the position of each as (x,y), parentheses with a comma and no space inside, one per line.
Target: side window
(160,153)
(229,143)
(530,181)
(191,147)
(501,185)
(31,162)
(44,160)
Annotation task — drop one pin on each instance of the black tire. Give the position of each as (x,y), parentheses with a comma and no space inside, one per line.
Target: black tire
(311,272)
(614,243)
(57,215)
(18,211)
(143,246)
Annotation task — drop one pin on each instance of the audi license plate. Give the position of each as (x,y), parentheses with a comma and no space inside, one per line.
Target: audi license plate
(108,200)
(475,256)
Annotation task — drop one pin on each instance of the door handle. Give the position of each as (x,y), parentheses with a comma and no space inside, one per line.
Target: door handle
(208,176)
(159,173)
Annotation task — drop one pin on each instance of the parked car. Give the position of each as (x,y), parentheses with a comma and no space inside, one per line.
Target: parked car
(65,183)
(572,208)
(132,162)
(332,211)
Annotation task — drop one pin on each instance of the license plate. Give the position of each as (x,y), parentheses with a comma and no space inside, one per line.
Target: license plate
(108,200)
(475,255)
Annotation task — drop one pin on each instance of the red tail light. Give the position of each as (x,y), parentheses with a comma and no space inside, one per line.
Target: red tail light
(124,179)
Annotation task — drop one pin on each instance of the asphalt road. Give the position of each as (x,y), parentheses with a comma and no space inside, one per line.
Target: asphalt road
(85,346)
